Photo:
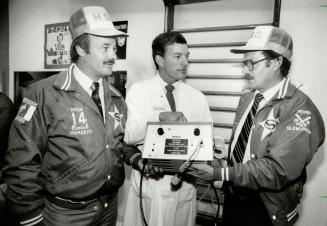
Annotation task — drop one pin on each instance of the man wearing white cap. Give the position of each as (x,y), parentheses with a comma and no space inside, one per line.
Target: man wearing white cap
(277,131)
(66,150)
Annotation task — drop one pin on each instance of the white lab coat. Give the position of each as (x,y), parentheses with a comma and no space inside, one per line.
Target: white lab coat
(162,207)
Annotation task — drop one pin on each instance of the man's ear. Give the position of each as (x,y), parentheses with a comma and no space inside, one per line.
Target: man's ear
(80,51)
(277,62)
(159,60)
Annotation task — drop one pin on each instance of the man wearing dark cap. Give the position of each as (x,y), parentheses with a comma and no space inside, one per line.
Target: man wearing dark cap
(277,131)
(66,150)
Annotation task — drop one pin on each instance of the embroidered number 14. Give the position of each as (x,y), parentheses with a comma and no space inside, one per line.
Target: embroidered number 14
(81,118)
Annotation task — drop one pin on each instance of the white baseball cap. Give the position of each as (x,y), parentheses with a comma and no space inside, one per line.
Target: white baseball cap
(268,38)
(93,20)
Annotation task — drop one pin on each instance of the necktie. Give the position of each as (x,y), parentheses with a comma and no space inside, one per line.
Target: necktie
(96,97)
(242,140)
(170,96)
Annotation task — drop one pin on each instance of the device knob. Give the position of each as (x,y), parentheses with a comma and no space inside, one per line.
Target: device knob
(160,131)
(196,131)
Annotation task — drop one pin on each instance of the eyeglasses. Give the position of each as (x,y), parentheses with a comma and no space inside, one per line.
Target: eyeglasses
(250,64)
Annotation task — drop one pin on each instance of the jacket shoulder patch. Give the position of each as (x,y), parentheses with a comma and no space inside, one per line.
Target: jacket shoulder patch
(26,110)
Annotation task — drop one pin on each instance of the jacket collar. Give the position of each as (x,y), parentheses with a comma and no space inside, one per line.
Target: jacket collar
(286,90)
(66,81)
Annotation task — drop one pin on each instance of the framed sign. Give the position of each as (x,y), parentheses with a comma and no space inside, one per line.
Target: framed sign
(121,41)
(58,40)
(57,45)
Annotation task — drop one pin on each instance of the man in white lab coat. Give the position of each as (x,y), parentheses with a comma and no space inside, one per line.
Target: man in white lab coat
(151,100)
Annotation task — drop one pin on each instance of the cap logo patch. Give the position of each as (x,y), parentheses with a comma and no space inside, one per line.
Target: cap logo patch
(257,35)
(98,17)
(275,38)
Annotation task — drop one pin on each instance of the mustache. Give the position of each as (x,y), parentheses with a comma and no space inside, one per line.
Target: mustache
(109,62)
(247,76)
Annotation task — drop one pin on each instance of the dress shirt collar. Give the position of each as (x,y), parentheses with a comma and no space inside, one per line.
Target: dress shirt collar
(85,80)
(162,83)
(269,94)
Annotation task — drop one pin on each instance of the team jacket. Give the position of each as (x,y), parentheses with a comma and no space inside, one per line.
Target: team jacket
(59,144)
(287,132)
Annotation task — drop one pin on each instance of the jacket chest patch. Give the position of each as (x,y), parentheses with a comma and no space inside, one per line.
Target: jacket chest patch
(80,125)
(269,125)
(115,115)
(301,121)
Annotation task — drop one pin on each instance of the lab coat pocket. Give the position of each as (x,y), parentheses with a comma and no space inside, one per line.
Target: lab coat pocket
(156,113)
(186,193)
(146,185)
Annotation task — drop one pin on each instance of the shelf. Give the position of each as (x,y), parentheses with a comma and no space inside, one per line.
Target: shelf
(221,93)
(208,45)
(223,125)
(181,2)
(222,28)
(223,109)
(215,76)
(218,61)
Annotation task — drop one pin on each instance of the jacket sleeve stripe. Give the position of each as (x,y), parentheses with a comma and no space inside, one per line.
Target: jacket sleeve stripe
(32,221)
(133,157)
(291,214)
(222,174)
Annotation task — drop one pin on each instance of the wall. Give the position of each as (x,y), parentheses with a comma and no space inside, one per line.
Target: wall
(305,20)
(27,20)
(4,46)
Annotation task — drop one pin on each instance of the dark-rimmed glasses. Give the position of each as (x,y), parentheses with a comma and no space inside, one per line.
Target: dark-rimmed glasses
(250,64)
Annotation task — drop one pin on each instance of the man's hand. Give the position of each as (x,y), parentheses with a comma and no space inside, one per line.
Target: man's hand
(219,150)
(169,116)
(150,170)
(201,171)
(204,171)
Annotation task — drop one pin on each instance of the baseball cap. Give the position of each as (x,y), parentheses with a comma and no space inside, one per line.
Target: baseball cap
(268,38)
(93,20)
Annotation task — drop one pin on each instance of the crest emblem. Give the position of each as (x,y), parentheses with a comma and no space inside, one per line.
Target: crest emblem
(117,116)
(269,125)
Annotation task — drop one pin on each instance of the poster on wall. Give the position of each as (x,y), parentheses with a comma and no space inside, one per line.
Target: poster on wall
(58,40)
(56,45)
(121,41)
